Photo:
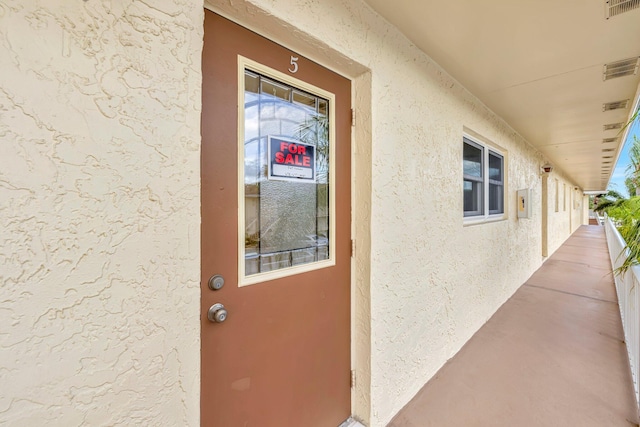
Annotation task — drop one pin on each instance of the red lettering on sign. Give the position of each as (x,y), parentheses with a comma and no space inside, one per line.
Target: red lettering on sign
(292,154)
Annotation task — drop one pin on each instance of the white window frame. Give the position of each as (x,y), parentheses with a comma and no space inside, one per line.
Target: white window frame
(484,215)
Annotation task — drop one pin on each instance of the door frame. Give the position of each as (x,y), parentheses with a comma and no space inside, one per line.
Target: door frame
(267,25)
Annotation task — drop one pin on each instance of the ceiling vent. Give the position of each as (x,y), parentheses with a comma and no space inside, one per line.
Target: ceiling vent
(626,67)
(616,7)
(609,140)
(616,105)
(612,126)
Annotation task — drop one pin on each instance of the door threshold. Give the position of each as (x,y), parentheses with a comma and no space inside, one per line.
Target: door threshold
(350,422)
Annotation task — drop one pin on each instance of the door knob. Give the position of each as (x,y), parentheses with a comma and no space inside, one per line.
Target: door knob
(217,313)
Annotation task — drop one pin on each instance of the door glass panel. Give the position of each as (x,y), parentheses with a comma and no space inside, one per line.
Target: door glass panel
(286,175)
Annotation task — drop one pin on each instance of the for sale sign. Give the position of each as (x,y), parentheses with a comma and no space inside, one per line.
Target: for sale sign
(291,160)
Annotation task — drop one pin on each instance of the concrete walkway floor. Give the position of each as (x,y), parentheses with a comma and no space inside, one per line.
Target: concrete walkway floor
(552,355)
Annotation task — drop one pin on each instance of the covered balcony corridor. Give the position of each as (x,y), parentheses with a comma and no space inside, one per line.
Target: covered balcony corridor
(552,355)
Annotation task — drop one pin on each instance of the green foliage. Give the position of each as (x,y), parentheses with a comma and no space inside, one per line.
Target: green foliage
(631,186)
(609,201)
(626,217)
(626,212)
(627,220)
(633,169)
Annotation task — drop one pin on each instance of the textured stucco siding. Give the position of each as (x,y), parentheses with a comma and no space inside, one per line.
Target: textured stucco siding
(99,204)
(433,280)
(567,218)
(99,209)
(576,209)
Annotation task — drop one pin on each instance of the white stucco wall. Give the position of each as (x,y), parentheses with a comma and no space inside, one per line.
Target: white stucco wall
(99,183)
(99,207)
(433,281)
(576,208)
(566,218)
(585,209)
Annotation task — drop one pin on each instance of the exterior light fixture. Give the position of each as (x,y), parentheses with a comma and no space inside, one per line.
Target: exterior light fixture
(546,169)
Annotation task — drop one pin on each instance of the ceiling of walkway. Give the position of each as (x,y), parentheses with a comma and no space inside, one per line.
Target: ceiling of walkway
(539,64)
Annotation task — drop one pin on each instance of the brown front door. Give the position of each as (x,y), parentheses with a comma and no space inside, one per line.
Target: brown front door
(276,227)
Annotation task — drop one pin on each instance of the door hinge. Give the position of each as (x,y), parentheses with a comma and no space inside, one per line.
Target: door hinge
(353,117)
(353,248)
(353,378)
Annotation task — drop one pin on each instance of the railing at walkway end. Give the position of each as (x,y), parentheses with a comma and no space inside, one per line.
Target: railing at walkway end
(628,299)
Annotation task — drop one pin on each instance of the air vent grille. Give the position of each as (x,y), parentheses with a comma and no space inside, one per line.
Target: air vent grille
(616,105)
(626,67)
(608,150)
(612,126)
(609,140)
(616,7)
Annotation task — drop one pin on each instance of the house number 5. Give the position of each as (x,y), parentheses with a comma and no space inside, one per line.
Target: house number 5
(294,65)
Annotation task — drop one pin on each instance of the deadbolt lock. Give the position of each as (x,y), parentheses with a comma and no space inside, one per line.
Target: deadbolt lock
(216,282)
(217,313)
